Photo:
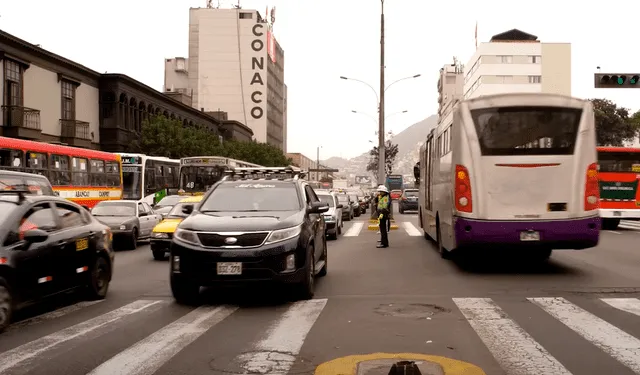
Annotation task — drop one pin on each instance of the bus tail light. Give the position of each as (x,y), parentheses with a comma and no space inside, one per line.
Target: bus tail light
(592,189)
(463,189)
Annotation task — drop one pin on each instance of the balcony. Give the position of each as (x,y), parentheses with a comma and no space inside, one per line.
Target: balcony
(75,133)
(21,122)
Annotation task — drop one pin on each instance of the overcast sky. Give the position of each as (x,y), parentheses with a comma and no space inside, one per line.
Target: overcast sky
(134,36)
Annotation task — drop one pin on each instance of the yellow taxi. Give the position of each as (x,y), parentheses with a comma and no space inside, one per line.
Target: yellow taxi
(163,232)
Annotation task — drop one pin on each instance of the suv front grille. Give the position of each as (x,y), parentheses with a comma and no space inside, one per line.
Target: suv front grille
(242,240)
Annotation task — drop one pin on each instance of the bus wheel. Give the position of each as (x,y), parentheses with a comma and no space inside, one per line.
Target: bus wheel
(444,254)
(610,224)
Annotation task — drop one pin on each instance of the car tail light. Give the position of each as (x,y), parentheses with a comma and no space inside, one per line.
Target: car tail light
(463,189)
(592,189)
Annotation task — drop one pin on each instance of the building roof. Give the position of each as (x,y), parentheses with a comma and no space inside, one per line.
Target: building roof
(513,34)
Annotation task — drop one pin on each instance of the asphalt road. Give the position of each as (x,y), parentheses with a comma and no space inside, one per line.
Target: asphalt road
(578,313)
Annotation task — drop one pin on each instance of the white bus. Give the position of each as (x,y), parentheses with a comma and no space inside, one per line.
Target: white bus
(148,177)
(512,170)
(199,173)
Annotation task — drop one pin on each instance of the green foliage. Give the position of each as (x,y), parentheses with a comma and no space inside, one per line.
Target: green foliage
(390,154)
(164,137)
(614,126)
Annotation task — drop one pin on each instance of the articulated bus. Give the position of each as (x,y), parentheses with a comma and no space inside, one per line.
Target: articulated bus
(512,170)
(199,173)
(619,175)
(147,178)
(78,174)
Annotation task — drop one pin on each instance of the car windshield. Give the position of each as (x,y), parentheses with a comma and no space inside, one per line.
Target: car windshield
(114,209)
(170,200)
(343,198)
(176,211)
(37,186)
(252,196)
(326,198)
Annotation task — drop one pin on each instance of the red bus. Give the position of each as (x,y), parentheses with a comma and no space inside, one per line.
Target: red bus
(81,175)
(619,174)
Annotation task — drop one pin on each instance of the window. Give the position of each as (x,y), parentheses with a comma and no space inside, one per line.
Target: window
(504,79)
(68,100)
(13,77)
(11,159)
(59,166)
(113,174)
(246,15)
(628,162)
(252,195)
(535,79)
(80,172)
(147,208)
(98,176)
(37,163)
(527,130)
(534,59)
(506,59)
(141,209)
(39,217)
(70,216)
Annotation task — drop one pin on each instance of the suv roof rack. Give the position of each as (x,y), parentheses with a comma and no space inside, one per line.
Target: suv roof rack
(20,193)
(264,173)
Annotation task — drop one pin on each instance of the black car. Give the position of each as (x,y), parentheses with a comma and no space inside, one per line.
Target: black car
(49,245)
(408,200)
(251,230)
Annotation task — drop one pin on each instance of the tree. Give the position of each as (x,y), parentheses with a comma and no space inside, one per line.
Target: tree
(390,154)
(161,136)
(614,126)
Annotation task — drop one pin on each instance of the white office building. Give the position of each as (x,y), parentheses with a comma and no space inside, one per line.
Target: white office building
(515,61)
(235,65)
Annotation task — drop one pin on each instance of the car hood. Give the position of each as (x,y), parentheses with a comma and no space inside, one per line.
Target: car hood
(114,220)
(167,226)
(242,221)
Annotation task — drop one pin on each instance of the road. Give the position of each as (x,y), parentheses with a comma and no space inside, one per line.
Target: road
(575,314)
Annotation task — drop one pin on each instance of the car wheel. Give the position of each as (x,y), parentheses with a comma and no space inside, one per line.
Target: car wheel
(133,241)
(6,305)
(333,236)
(184,291)
(158,254)
(99,279)
(306,288)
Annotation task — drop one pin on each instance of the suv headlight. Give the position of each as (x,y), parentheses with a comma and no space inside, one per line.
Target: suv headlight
(159,235)
(284,234)
(187,236)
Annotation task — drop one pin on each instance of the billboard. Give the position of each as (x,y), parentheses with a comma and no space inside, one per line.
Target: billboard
(363,180)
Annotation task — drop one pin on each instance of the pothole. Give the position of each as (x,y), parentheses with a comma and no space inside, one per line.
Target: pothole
(263,362)
(410,311)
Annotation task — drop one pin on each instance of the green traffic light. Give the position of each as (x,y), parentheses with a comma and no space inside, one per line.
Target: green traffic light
(634,80)
(621,80)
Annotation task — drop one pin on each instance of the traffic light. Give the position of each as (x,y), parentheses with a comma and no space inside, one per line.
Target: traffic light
(616,80)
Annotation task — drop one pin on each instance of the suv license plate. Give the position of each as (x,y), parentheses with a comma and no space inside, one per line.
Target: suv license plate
(617,213)
(530,236)
(230,268)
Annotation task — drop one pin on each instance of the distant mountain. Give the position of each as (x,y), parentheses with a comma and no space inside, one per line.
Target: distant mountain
(408,141)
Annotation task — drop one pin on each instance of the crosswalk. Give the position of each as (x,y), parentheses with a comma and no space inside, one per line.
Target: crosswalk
(279,341)
(359,228)
(629,225)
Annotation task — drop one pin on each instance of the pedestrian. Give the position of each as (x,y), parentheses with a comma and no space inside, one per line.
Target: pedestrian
(383,211)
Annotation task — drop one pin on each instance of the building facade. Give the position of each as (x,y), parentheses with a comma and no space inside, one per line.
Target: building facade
(47,97)
(450,86)
(515,61)
(236,65)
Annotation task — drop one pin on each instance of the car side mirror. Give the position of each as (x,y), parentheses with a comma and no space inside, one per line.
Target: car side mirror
(318,207)
(35,236)
(187,210)
(142,214)
(340,206)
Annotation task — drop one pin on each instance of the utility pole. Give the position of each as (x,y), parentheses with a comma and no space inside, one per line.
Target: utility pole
(381,145)
(318,163)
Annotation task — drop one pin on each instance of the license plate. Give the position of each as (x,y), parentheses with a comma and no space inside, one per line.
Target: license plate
(617,213)
(230,268)
(530,236)
(82,244)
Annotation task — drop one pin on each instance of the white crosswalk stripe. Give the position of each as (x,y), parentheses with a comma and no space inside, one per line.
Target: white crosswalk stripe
(278,344)
(629,224)
(359,228)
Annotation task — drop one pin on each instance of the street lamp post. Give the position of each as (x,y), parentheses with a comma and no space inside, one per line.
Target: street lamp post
(381,148)
(318,163)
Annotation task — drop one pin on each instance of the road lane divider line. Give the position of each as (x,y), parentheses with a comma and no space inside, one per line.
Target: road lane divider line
(149,354)
(630,305)
(17,358)
(354,230)
(513,348)
(613,231)
(276,352)
(609,338)
(52,314)
(411,229)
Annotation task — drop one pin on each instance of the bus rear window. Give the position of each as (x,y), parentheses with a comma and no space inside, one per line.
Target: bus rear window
(619,161)
(527,130)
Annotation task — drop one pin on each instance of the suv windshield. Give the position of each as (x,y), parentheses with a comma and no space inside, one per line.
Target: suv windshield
(326,198)
(114,209)
(252,197)
(36,185)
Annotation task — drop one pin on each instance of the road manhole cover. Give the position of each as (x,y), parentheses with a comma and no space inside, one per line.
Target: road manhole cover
(262,363)
(410,311)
